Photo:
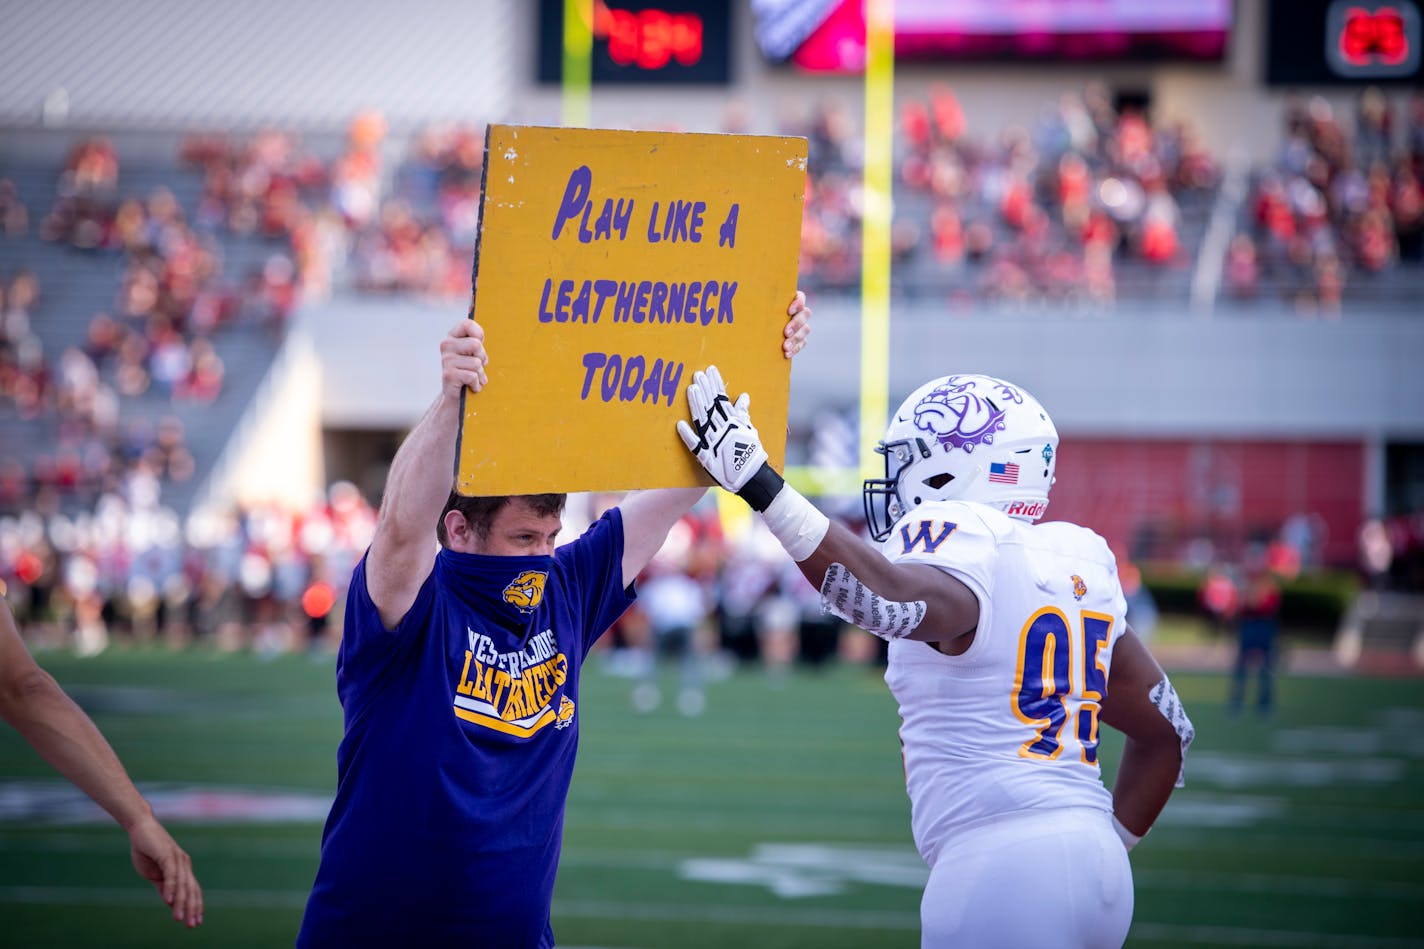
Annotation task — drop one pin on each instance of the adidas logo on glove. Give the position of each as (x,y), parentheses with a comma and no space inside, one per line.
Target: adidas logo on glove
(741,451)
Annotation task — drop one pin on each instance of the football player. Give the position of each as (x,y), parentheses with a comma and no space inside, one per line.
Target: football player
(1008,647)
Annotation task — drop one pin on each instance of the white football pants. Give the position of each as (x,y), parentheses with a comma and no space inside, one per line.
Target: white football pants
(1040,878)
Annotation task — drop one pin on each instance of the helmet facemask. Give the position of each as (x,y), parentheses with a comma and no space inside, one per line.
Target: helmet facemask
(881,495)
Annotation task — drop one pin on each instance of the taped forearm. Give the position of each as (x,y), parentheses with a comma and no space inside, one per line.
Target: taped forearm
(843,594)
(793,520)
(1165,700)
(1151,765)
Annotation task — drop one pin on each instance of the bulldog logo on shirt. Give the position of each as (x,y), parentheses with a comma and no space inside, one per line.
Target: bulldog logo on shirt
(526,590)
(566,713)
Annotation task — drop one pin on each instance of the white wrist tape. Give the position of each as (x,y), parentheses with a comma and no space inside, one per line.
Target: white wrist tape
(796,523)
(1164,697)
(1129,839)
(845,596)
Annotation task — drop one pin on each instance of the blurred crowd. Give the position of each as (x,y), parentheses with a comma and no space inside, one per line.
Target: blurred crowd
(156,343)
(1053,212)
(1339,207)
(133,570)
(1045,213)
(720,594)
(350,220)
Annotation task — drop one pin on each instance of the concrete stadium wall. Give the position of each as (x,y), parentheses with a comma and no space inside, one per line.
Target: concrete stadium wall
(1156,374)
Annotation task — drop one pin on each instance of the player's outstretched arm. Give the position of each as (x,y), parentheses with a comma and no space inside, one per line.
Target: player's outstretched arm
(1142,704)
(649,515)
(857,583)
(35,706)
(422,473)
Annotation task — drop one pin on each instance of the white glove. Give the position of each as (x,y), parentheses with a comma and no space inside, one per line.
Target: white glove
(721,434)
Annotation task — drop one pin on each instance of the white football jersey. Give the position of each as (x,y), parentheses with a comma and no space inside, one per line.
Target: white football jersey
(1012,724)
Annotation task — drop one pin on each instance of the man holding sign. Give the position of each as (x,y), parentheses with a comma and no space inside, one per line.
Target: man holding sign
(466,627)
(458,675)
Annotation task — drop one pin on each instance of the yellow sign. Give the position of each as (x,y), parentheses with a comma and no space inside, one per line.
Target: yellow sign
(610,267)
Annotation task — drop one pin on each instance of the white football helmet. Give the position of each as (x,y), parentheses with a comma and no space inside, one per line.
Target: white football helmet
(964,437)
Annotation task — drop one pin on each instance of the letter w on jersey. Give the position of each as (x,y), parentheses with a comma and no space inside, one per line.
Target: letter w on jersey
(926,535)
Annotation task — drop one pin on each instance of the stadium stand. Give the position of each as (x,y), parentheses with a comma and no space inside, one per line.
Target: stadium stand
(1339,215)
(140,327)
(152,273)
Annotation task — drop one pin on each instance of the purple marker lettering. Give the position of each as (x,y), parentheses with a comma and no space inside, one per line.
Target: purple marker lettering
(640,302)
(727,233)
(652,386)
(604,289)
(633,372)
(603,227)
(677,298)
(584,234)
(561,306)
(695,222)
(611,371)
(622,217)
(575,196)
(591,362)
(694,293)
(656,313)
(724,302)
(623,303)
(579,311)
(670,381)
(544,315)
(680,209)
(709,291)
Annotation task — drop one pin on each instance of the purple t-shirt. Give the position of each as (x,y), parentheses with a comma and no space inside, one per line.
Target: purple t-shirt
(461,733)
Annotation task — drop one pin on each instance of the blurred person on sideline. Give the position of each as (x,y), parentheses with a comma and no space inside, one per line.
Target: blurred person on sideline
(1376,553)
(46,717)
(458,672)
(1008,645)
(1219,598)
(1257,628)
(1142,610)
(676,607)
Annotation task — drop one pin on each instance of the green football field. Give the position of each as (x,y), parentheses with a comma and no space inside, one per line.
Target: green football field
(776,819)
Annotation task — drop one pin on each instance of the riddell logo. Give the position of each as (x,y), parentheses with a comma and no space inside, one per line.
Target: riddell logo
(1027,508)
(741,451)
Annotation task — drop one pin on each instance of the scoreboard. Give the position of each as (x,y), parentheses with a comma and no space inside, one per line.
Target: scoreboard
(1343,42)
(645,41)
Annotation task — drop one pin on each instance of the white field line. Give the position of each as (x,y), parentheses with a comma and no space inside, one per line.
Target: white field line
(1279,885)
(1243,936)
(1317,887)
(816,917)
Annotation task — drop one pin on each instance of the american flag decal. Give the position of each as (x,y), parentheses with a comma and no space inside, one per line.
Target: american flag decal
(1003,473)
